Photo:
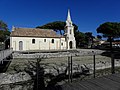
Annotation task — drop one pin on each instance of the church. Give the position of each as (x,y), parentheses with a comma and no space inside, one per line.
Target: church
(25,39)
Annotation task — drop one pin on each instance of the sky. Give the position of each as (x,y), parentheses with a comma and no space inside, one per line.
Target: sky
(86,14)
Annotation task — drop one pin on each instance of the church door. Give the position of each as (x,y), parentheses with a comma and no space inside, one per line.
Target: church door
(20,45)
(70,44)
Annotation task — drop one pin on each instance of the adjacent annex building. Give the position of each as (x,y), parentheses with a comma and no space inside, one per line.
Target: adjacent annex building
(25,39)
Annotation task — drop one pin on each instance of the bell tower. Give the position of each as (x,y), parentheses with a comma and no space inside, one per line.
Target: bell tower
(69,32)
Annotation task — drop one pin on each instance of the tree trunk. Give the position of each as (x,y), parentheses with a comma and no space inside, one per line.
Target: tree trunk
(60,32)
(110,38)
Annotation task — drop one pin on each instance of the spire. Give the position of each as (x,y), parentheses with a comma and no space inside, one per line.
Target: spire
(68,21)
(68,17)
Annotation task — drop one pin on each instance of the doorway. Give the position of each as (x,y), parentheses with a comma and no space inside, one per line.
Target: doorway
(70,44)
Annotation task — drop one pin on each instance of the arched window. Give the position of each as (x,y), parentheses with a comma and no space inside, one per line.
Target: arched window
(44,40)
(33,41)
(20,45)
(70,31)
(52,41)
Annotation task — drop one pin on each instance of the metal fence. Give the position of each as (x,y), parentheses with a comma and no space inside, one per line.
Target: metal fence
(87,65)
(67,66)
(91,60)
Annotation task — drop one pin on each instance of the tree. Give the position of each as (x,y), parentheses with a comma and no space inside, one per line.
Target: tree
(3,31)
(80,38)
(110,30)
(3,26)
(89,38)
(57,26)
(99,37)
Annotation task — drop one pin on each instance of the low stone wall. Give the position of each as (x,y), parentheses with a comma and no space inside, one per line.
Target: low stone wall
(76,67)
(79,52)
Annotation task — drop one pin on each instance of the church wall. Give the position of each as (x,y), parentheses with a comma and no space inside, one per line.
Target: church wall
(63,43)
(40,43)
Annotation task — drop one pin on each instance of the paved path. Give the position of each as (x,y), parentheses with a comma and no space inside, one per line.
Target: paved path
(110,82)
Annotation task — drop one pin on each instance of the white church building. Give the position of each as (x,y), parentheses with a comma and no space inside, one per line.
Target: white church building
(25,39)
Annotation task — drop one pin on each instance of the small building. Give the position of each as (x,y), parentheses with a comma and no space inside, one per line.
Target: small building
(25,39)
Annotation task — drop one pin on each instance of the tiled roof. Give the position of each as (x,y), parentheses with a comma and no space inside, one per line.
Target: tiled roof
(33,32)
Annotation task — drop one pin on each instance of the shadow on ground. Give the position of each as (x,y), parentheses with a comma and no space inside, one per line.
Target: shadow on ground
(114,52)
(5,64)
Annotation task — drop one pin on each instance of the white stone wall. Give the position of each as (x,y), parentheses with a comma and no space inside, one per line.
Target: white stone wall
(59,43)
(70,37)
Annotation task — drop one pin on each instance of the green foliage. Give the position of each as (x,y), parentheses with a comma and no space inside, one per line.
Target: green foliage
(109,29)
(3,26)
(99,37)
(3,31)
(4,35)
(88,34)
(57,26)
(89,38)
(80,38)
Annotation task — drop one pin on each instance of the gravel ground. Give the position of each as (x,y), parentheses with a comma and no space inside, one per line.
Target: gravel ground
(54,63)
(79,57)
(77,60)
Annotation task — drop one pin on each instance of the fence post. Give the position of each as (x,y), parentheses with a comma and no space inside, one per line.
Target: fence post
(68,69)
(112,64)
(37,73)
(2,56)
(93,64)
(71,68)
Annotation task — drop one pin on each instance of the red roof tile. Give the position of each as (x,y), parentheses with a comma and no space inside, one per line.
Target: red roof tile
(34,32)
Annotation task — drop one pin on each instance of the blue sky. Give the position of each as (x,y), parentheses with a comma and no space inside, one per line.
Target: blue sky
(87,14)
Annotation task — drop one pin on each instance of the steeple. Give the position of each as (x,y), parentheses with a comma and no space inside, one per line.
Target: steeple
(69,32)
(68,17)
(68,21)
